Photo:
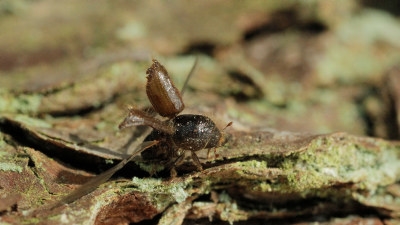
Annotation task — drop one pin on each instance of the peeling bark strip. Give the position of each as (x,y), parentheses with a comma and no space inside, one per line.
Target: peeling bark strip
(93,183)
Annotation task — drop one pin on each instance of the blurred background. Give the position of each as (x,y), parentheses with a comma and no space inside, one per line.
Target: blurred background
(304,66)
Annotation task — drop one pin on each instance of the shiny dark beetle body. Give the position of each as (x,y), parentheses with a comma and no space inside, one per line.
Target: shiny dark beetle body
(192,132)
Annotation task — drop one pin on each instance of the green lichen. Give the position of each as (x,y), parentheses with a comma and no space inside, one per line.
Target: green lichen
(31,220)
(250,169)
(7,166)
(109,161)
(224,197)
(229,210)
(254,164)
(378,200)
(330,160)
(3,154)
(7,159)
(263,187)
(151,168)
(23,103)
(163,193)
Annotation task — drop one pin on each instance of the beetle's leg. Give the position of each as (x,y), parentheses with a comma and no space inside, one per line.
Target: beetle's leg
(175,163)
(215,153)
(196,161)
(137,117)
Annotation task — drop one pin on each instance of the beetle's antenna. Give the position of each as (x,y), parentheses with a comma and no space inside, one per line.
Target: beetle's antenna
(189,75)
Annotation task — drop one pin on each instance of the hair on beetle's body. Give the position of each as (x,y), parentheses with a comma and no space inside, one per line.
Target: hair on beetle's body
(177,134)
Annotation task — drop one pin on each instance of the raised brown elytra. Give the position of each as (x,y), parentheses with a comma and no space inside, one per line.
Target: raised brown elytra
(177,134)
(162,93)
